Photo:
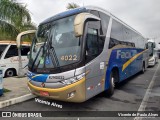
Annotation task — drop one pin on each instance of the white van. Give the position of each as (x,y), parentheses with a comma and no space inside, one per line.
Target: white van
(9,60)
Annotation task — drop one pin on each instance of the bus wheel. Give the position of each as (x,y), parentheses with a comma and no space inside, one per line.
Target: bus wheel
(10,73)
(143,69)
(110,91)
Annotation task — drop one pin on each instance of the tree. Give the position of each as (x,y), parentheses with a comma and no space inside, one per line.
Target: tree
(14,18)
(72,6)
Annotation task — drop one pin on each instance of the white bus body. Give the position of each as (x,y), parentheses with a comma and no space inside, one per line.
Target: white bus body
(153,52)
(9,60)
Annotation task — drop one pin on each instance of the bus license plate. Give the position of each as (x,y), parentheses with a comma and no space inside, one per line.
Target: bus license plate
(44,93)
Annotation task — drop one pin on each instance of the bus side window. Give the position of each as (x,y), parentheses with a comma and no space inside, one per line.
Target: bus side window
(113,42)
(25,50)
(12,51)
(92,46)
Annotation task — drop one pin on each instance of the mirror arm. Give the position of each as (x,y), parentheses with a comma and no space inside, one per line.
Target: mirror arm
(102,36)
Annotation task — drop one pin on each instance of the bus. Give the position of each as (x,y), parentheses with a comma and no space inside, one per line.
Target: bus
(9,61)
(80,53)
(153,52)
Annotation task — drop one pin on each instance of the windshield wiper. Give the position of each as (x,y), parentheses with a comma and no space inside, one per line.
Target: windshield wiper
(36,57)
(38,53)
(49,51)
(52,50)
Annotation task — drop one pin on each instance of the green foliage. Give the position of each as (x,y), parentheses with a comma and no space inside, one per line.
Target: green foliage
(72,6)
(6,90)
(14,18)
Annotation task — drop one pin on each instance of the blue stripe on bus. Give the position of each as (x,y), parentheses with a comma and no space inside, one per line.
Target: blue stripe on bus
(40,78)
(37,77)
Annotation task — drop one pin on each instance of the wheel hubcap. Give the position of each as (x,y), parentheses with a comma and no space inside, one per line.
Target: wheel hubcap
(10,73)
(112,80)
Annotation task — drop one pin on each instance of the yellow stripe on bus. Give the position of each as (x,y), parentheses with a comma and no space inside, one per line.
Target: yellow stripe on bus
(131,60)
(36,75)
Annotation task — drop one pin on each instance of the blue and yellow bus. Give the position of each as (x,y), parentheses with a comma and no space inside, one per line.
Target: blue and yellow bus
(80,53)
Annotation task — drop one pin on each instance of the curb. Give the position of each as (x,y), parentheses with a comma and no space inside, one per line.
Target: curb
(16,100)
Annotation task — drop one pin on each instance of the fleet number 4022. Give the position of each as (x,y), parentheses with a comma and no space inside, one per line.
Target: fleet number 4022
(69,58)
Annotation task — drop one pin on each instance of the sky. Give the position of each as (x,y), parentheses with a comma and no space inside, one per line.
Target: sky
(142,15)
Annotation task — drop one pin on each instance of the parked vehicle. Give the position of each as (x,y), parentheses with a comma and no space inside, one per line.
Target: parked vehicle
(9,60)
(153,52)
(159,54)
(80,53)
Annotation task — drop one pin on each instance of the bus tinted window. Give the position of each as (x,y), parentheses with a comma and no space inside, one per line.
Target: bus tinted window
(117,31)
(104,21)
(25,50)
(92,42)
(2,48)
(126,36)
(13,51)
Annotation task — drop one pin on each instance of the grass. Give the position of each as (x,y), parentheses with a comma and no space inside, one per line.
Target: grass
(6,90)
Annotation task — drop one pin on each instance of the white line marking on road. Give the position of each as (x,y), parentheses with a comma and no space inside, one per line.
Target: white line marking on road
(16,100)
(154,94)
(146,96)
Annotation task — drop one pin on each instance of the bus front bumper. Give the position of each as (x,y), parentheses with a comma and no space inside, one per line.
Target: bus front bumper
(71,93)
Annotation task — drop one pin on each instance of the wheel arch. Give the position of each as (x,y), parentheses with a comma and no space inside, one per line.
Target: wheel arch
(14,69)
(108,72)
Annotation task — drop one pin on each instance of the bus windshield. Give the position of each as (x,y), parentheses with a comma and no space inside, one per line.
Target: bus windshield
(55,45)
(2,48)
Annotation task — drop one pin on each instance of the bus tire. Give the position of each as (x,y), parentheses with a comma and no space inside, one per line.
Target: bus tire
(110,91)
(10,72)
(143,68)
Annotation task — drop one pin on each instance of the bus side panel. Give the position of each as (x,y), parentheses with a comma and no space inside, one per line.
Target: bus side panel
(128,61)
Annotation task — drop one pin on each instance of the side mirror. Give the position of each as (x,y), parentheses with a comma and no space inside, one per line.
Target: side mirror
(80,20)
(102,37)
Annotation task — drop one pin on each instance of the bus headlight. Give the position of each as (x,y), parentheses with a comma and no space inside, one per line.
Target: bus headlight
(73,80)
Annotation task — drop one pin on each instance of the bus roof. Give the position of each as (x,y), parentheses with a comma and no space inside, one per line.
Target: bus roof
(113,16)
(84,9)
(64,14)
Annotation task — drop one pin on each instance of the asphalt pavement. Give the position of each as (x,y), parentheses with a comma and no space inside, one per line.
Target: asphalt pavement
(138,93)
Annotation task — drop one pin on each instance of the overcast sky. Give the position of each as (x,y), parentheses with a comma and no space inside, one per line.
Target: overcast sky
(142,15)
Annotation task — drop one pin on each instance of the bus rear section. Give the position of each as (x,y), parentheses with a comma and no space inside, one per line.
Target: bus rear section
(81,53)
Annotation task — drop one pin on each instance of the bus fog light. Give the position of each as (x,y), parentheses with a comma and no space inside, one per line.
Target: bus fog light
(71,94)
